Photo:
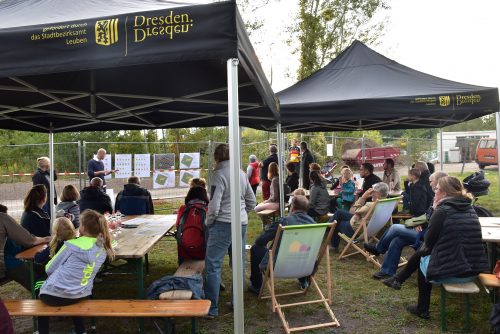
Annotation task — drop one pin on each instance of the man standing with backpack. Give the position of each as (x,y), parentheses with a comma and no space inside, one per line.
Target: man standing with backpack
(219,223)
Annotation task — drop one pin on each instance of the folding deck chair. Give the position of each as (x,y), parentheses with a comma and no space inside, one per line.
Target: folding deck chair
(382,214)
(299,254)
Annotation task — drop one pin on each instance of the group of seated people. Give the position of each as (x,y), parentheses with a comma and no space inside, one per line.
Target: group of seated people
(447,239)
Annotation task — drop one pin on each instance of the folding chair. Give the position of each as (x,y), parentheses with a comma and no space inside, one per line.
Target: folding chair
(301,249)
(380,214)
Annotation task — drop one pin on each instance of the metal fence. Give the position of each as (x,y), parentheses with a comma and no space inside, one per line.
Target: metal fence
(18,162)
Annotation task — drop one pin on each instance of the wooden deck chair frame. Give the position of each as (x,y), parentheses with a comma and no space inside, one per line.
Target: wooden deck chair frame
(362,232)
(269,281)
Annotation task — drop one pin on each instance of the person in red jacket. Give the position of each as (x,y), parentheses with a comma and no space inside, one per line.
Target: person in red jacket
(253,173)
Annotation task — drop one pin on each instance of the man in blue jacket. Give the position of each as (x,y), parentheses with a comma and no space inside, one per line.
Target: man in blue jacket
(259,253)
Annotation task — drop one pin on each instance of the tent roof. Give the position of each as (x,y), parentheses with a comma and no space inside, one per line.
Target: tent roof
(125,64)
(361,89)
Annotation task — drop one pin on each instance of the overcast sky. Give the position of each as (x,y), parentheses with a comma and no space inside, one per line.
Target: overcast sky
(454,39)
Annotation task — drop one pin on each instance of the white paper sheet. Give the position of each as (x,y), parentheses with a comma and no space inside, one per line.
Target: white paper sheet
(142,165)
(163,179)
(189,160)
(123,165)
(186,175)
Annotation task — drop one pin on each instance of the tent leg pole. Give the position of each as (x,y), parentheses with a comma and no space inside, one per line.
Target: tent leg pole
(441,150)
(234,153)
(497,116)
(51,191)
(281,155)
(301,168)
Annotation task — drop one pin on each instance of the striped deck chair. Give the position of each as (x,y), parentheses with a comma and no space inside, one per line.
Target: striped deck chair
(301,249)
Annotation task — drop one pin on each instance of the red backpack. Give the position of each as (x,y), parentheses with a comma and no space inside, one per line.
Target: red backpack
(190,235)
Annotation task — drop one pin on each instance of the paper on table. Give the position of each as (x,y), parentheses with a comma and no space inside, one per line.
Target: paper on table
(136,221)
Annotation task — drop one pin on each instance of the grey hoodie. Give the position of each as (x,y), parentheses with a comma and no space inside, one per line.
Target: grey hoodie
(73,208)
(73,269)
(219,208)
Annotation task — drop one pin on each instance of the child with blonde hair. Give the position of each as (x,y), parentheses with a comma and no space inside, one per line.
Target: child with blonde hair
(72,270)
(198,182)
(62,231)
(347,189)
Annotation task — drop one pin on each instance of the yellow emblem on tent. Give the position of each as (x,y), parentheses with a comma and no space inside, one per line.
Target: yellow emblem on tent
(106,32)
(444,101)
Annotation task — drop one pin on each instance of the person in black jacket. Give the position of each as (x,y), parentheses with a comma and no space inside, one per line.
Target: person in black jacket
(42,176)
(424,178)
(293,178)
(418,196)
(264,166)
(34,218)
(94,198)
(369,179)
(305,160)
(453,241)
(134,199)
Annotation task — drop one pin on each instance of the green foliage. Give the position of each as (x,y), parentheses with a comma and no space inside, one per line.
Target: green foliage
(478,124)
(326,27)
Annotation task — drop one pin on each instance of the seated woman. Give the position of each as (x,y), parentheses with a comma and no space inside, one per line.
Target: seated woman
(34,219)
(316,167)
(347,190)
(453,241)
(348,221)
(12,235)
(273,203)
(68,204)
(319,199)
(196,199)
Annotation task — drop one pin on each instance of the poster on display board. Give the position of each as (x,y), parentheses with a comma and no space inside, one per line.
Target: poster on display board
(142,165)
(186,175)
(163,179)
(164,161)
(107,164)
(123,166)
(189,160)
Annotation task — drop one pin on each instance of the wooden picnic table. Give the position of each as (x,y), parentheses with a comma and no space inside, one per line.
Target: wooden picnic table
(490,230)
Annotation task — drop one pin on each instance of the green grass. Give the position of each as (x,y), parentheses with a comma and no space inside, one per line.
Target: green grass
(361,304)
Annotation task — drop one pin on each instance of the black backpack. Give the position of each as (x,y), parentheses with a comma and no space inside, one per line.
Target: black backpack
(287,190)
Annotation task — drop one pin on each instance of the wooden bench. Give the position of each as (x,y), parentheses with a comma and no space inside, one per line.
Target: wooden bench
(402,216)
(113,308)
(463,288)
(187,268)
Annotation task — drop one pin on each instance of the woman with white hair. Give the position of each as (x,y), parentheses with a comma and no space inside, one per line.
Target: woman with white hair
(42,176)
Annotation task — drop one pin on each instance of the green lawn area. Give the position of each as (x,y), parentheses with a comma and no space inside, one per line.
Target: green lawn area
(361,304)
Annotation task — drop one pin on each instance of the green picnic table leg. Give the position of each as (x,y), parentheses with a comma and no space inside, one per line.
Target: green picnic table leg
(140,287)
(33,292)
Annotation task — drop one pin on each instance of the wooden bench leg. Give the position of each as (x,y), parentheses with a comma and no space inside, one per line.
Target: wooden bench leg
(443,309)
(467,314)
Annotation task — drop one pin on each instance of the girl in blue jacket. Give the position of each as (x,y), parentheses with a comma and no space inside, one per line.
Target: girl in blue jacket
(72,270)
(348,188)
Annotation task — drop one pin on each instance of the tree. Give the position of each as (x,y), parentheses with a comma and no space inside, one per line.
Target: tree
(326,27)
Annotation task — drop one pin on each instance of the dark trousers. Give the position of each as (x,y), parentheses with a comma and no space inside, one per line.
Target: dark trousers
(424,293)
(254,188)
(311,212)
(343,219)
(43,322)
(412,266)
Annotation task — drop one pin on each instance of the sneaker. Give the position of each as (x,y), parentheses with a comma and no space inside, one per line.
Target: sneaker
(380,275)
(392,282)
(413,309)
(253,289)
(371,248)
(333,249)
(222,286)
(303,285)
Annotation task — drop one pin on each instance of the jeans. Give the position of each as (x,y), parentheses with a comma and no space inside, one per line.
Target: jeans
(219,239)
(343,226)
(393,241)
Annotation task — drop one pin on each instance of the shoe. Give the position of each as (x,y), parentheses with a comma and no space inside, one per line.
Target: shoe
(392,282)
(380,275)
(222,286)
(253,289)
(209,317)
(333,249)
(303,285)
(371,248)
(413,309)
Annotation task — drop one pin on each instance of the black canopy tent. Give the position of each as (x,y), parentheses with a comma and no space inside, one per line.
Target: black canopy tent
(133,64)
(363,90)
(119,65)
